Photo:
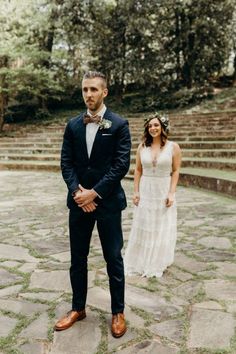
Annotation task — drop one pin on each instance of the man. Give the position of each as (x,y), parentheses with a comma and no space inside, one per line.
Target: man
(95,157)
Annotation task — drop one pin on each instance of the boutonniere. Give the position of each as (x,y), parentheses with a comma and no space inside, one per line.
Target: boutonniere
(105,124)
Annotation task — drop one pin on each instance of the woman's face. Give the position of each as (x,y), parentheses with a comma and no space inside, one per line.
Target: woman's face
(154,127)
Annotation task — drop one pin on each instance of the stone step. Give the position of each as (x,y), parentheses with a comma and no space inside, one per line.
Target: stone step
(188,119)
(32,157)
(29,150)
(210,179)
(193,132)
(185,122)
(29,145)
(36,139)
(176,137)
(229,153)
(217,163)
(225,145)
(30,165)
(207,145)
(45,134)
(51,152)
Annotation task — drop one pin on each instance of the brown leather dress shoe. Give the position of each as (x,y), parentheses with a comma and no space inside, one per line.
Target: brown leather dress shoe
(69,319)
(118,326)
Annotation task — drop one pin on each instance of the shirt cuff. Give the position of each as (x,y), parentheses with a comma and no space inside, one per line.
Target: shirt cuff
(74,192)
(97,194)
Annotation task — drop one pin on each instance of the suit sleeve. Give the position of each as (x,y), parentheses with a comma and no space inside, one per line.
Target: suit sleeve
(67,165)
(120,164)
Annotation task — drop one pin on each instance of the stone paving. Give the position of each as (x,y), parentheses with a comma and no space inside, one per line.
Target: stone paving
(191,309)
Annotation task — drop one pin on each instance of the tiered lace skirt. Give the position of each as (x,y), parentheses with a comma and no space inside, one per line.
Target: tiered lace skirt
(152,239)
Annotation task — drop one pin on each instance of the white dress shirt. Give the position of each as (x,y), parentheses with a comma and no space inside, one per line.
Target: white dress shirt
(91,130)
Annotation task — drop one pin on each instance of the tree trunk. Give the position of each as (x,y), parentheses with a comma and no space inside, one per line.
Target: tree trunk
(178,47)
(3,96)
(234,73)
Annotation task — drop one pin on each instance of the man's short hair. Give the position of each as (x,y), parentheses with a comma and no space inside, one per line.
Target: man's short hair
(94,74)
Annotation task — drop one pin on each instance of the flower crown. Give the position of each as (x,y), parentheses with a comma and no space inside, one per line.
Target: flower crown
(163,119)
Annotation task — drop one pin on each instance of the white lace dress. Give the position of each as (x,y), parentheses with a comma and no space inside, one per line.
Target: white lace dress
(152,239)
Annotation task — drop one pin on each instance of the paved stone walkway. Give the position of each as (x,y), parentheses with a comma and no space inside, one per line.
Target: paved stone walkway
(191,309)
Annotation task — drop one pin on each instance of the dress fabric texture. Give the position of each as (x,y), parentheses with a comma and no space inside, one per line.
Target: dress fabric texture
(152,239)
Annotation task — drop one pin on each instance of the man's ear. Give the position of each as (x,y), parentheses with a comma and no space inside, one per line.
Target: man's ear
(105,92)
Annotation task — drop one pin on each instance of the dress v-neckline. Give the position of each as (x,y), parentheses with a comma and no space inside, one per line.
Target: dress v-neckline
(156,158)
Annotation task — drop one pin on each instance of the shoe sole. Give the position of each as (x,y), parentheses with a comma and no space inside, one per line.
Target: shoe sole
(64,328)
(119,335)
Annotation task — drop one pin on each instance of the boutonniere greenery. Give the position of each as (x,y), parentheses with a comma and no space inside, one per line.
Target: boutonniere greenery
(105,124)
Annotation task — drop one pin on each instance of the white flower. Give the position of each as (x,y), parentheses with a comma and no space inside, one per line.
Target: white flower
(105,124)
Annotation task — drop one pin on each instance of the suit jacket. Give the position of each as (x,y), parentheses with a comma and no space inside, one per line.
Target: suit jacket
(108,163)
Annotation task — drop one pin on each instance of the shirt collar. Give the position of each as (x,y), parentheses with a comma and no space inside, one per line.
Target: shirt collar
(100,113)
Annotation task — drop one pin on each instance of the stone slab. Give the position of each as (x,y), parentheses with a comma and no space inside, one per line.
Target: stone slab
(208,305)
(149,347)
(11,264)
(43,296)
(57,280)
(220,289)
(99,298)
(83,337)
(10,290)
(28,267)
(16,253)
(226,268)
(7,277)
(34,348)
(7,324)
(215,242)
(189,264)
(180,275)
(210,329)
(213,255)
(151,302)
(188,290)
(38,329)
(50,246)
(22,307)
(171,329)
(133,319)
(62,256)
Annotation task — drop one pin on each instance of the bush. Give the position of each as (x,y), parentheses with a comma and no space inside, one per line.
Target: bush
(149,101)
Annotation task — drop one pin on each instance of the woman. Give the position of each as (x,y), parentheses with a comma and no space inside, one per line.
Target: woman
(153,234)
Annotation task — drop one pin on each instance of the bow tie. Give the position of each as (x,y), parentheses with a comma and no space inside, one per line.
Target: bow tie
(91,119)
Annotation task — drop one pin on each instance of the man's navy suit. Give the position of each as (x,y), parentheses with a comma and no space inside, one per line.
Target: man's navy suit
(103,170)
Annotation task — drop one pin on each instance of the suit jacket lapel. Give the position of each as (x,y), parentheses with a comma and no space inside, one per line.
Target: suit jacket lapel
(82,134)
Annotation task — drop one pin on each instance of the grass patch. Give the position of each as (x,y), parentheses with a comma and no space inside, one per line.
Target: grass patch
(102,347)
(199,297)
(146,316)
(7,343)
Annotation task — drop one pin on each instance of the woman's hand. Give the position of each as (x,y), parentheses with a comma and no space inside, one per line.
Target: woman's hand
(136,198)
(170,199)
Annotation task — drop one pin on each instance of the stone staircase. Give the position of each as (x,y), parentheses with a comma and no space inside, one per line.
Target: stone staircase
(207,141)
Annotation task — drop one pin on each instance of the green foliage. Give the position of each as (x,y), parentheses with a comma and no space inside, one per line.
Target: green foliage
(154,53)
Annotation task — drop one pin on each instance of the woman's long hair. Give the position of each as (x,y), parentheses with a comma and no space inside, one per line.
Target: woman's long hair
(147,139)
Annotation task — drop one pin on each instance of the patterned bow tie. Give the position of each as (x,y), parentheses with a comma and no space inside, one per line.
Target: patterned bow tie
(91,119)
